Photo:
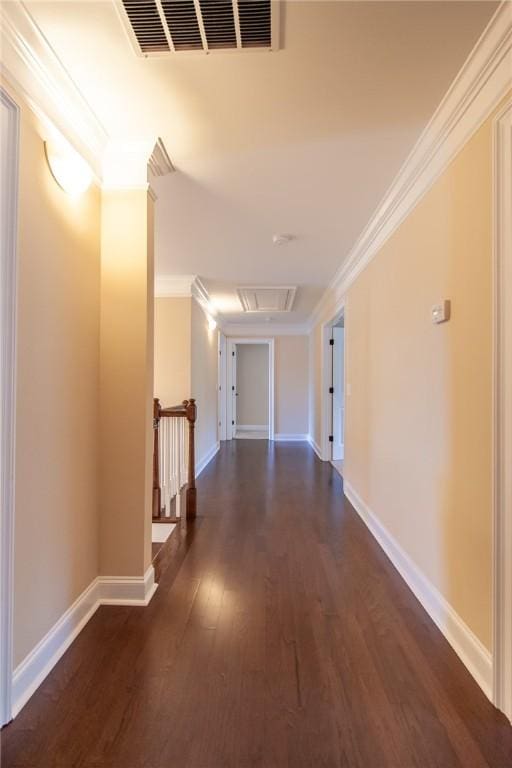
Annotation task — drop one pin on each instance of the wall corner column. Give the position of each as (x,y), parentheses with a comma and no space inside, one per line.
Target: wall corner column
(126,380)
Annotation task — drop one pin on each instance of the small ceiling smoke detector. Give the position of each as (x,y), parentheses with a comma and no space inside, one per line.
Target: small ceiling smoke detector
(281,239)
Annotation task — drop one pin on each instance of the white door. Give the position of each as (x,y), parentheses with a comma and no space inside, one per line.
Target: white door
(221,405)
(338,395)
(233,391)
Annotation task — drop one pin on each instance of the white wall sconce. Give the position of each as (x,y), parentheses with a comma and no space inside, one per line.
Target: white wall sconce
(212,324)
(69,170)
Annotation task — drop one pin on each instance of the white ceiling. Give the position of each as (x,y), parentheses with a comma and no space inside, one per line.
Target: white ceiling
(303,141)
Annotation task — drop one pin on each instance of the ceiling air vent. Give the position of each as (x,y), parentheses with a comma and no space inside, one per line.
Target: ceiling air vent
(145,21)
(159,27)
(258,298)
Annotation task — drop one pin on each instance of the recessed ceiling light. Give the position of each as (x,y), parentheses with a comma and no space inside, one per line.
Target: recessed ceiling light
(281,239)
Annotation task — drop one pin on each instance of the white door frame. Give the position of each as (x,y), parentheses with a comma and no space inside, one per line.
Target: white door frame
(221,383)
(9,217)
(231,343)
(502,412)
(338,384)
(326,381)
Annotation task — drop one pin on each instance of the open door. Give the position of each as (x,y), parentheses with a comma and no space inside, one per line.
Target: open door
(337,392)
(233,391)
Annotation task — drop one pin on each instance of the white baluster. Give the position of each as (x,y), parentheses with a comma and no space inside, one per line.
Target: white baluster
(178,467)
(168,470)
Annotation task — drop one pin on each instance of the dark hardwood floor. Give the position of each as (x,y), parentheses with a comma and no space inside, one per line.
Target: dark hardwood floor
(280,636)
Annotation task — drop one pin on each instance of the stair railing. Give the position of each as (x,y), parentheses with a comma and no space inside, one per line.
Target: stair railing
(174,460)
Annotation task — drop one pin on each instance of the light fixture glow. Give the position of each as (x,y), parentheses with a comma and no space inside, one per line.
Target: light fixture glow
(211,324)
(69,170)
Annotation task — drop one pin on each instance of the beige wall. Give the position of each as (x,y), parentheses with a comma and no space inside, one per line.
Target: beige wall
(56,522)
(292,385)
(126,383)
(252,385)
(204,381)
(418,420)
(173,328)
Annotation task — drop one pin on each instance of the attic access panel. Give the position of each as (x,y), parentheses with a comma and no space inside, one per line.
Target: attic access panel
(266,298)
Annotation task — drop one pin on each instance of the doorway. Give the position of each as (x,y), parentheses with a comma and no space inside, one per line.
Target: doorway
(337,391)
(250,389)
(9,133)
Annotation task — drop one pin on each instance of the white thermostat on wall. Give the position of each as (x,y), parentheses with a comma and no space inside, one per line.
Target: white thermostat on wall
(441,311)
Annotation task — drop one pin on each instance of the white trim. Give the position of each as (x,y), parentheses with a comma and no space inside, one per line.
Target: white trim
(502,411)
(293,437)
(252,427)
(243,290)
(173,286)
(326,380)
(203,463)
(159,163)
(315,446)
(104,590)
(266,329)
(8,286)
(127,590)
(221,384)
(477,90)
(33,67)
(231,343)
(466,645)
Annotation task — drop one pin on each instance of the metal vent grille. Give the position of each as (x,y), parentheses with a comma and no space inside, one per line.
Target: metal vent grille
(182,23)
(157,27)
(147,25)
(255,23)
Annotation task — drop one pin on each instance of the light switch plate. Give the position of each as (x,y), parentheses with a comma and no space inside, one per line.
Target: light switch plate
(441,312)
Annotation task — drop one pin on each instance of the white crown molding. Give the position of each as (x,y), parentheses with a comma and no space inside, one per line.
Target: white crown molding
(266,329)
(160,163)
(132,591)
(32,66)
(481,84)
(173,286)
(466,645)
(30,63)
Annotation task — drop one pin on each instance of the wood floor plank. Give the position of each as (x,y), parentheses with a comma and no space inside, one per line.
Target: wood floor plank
(280,637)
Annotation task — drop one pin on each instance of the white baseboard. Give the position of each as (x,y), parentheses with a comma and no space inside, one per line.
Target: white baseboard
(30,673)
(253,427)
(466,645)
(315,447)
(127,590)
(202,463)
(293,437)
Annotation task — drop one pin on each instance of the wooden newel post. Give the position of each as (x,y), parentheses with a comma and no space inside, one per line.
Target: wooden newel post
(157,493)
(191,412)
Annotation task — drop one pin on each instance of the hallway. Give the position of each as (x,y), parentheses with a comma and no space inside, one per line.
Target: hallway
(279,636)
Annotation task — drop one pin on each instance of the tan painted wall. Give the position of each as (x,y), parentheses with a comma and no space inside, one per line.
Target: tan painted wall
(56,523)
(418,420)
(173,327)
(252,384)
(126,384)
(292,384)
(204,380)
